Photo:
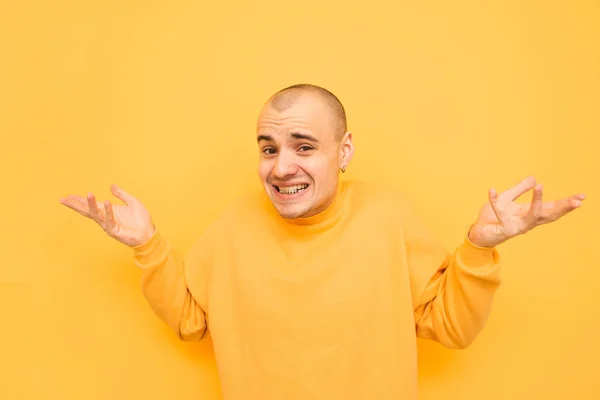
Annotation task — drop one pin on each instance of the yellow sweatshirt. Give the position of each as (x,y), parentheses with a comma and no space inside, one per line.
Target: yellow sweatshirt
(327,307)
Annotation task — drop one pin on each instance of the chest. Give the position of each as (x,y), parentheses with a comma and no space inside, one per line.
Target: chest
(333,275)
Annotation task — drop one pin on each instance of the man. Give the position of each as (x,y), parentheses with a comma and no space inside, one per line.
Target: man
(317,287)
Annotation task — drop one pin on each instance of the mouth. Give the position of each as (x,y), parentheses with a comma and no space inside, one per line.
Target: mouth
(290,191)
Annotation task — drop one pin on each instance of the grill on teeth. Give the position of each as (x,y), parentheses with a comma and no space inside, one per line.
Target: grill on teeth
(291,189)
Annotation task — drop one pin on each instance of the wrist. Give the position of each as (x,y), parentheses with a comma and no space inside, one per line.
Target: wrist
(476,238)
(150,232)
(146,236)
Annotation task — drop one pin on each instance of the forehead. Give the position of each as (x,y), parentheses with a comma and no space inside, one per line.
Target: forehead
(305,112)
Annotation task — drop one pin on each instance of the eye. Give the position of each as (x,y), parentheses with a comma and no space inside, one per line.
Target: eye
(305,148)
(269,150)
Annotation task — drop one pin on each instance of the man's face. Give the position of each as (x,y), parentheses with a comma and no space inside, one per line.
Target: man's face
(299,156)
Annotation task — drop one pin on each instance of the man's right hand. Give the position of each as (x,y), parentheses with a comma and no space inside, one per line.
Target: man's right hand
(130,224)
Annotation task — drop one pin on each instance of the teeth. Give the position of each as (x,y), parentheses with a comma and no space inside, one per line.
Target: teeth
(291,189)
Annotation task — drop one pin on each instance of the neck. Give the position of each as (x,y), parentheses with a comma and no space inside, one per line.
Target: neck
(324,219)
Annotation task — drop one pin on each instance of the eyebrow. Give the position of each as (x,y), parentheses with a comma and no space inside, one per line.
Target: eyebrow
(304,136)
(264,137)
(295,135)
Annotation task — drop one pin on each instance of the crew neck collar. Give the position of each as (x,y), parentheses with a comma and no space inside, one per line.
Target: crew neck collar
(323,220)
(329,215)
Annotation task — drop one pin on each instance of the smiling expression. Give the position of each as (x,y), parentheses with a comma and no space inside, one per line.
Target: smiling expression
(300,154)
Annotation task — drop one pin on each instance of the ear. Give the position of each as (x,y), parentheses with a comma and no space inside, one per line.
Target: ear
(346,151)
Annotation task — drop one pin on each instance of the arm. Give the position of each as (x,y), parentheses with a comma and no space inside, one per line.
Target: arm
(452,292)
(176,288)
(164,285)
(453,305)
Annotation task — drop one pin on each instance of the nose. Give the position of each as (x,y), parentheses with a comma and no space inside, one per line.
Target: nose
(284,166)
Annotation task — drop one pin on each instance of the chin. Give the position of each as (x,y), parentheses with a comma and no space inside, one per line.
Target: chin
(288,212)
(293,203)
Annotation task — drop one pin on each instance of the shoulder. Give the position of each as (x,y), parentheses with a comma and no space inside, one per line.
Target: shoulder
(245,209)
(376,197)
(387,206)
(240,212)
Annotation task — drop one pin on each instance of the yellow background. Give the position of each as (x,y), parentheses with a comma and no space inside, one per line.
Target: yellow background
(445,99)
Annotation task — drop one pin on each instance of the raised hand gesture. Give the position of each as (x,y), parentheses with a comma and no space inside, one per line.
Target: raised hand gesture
(130,224)
(502,218)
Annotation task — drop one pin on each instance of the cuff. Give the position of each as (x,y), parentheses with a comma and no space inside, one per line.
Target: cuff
(154,249)
(476,256)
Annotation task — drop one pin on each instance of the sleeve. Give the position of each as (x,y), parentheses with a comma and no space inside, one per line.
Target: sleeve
(452,292)
(166,278)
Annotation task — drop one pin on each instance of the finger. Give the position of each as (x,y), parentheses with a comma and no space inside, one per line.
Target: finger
(553,210)
(494,202)
(577,200)
(519,189)
(122,194)
(76,203)
(74,197)
(94,210)
(110,218)
(536,205)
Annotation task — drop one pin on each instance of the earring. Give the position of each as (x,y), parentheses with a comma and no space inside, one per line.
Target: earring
(343,169)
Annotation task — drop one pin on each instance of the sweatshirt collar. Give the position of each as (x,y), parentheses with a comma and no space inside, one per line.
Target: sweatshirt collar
(328,216)
(321,221)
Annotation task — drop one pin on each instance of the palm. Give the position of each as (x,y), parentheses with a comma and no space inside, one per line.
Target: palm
(130,224)
(129,220)
(512,225)
(503,218)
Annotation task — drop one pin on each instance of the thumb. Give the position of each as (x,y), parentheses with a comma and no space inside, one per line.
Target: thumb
(122,194)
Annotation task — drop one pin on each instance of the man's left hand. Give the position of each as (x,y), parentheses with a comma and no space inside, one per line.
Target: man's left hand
(502,218)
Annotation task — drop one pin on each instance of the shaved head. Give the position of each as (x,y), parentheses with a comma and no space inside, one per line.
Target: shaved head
(287,97)
(303,145)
